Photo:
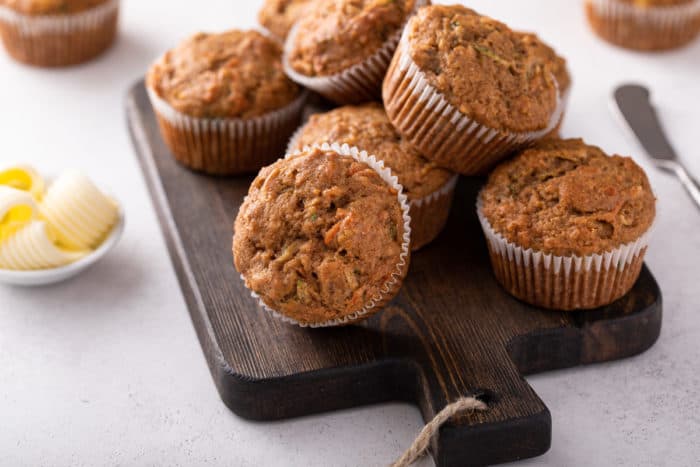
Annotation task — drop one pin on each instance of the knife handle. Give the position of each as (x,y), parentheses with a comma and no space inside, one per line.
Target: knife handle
(690,184)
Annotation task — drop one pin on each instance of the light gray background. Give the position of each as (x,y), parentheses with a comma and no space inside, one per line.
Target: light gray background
(106,369)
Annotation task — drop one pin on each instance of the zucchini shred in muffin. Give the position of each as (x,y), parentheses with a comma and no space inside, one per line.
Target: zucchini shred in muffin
(223,102)
(53,33)
(558,66)
(466,90)
(429,189)
(343,48)
(323,236)
(646,25)
(566,225)
(278,16)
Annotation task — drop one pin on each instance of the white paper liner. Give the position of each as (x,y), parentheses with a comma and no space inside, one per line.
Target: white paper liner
(291,145)
(477,145)
(361,82)
(430,213)
(37,25)
(674,24)
(565,96)
(269,34)
(619,258)
(446,189)
(207,133)
(396,277)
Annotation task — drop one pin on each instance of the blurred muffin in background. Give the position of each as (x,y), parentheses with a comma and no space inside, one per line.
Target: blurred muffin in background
(649,25)
(278,16)
(53,33)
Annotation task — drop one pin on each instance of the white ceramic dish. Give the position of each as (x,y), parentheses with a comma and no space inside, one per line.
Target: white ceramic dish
(60,274)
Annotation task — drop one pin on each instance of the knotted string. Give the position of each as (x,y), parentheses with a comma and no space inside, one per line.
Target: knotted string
(422,442)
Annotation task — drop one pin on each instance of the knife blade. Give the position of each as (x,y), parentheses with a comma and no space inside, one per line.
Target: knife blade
(633,105)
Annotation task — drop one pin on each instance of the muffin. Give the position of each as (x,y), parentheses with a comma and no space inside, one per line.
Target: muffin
(648,25)
(558,67)
(567,226)
(322,239)
(429,188)
(466,90)
(278,16)
(343,47)
(53,33)
(223,102)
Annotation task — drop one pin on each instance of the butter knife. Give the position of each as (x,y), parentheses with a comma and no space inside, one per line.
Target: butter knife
(633,104)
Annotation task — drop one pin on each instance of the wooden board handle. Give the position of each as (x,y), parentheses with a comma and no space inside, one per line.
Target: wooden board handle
(443,373)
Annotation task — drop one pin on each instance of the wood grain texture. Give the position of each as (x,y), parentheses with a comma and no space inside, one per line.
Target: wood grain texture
(451,332)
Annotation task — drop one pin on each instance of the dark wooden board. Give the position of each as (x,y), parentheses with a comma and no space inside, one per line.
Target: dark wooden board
(452,331)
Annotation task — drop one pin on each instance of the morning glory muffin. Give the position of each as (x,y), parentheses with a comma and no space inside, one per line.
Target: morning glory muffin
(53,33)
(323,237)
(567,226)
(343,47)
(557,65)
(466,90)
(429,188)
(647,25)
(223,102)
(278,16)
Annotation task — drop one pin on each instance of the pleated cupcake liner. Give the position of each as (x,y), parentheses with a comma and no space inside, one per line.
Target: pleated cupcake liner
(565,98)
(564,282)
(428,214)
(392,286)
(59,40)
(649,28)
(291,144)
(269,34)
(359,83)
(226,146)
(453,140)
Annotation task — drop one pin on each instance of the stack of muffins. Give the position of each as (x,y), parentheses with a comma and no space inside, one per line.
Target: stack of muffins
(425,93)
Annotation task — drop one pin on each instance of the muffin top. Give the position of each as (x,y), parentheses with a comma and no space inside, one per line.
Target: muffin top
(556,63)
(341,33)
(368,128)
(483,68)
(318,236)
(653,3)
(567,198)
(235,74)
(50,7)
(278,16)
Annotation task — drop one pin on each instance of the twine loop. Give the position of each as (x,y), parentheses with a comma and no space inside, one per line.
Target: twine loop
(422,441)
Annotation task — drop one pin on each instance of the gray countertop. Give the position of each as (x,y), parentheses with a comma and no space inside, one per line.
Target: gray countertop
(106,369)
